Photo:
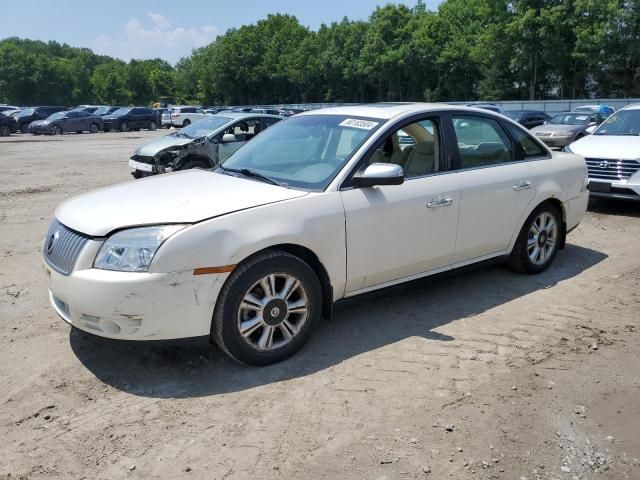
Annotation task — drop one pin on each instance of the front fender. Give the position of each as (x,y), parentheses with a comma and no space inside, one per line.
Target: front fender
(314,221)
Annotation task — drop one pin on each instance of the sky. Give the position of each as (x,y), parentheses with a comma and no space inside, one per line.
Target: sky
(167,29)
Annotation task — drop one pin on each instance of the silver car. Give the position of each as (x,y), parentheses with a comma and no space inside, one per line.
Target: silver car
(202,144)
(566,128)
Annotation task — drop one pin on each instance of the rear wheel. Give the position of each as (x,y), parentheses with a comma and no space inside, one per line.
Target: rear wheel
(93,128)
(152,126)
(267,309)
(5,131)
(24,128)
(538,241)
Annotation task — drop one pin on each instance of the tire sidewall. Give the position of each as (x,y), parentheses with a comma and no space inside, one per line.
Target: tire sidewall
(5,131)
(237,284)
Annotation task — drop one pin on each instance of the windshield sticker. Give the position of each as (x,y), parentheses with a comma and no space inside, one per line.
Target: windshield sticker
(361,124)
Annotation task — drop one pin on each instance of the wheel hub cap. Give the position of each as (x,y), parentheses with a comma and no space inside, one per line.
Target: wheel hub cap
(275,312)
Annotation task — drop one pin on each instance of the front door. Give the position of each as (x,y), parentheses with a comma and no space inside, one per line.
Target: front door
(395,232)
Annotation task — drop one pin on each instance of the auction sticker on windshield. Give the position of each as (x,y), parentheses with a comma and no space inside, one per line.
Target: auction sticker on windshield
(355,123)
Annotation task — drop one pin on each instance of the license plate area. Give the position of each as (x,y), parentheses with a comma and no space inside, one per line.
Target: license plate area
(145,167)
(600,187)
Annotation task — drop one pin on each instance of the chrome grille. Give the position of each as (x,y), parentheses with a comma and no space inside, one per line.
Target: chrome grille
(612,170)
(62,247)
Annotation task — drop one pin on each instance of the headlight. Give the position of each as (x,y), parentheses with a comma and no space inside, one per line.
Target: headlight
(132,250)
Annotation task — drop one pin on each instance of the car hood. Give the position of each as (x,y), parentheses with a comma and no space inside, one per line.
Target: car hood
(550,128)
(40,122)
(608,146)
(182,197)
(151,148)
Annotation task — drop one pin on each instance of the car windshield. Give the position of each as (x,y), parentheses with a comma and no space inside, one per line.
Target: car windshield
(102,111)
(57,116)
(515,115)
(26,112)
(624,122)
(570,119)
(304,152)
(121,111)
(203,127)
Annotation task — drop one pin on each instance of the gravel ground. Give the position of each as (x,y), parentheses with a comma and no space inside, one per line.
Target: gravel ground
(480,375)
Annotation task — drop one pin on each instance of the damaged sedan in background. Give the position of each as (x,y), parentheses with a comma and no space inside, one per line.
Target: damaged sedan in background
(203,144)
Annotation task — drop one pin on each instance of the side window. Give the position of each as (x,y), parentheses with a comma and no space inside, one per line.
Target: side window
(481,142)
(134,111)
(197,110)
(530,147)
(188,110)
(415,147)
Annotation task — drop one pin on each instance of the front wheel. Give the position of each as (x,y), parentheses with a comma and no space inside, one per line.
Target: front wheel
(152,126)
(5,130)
(186,123)
(538,241)
(57,130)
(124,127)
(195,164)
(267,309)
(93,128)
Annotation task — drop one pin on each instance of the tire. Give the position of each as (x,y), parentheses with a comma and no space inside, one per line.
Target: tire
(93,128)
(152,126)
(124,127)
(57,130)
(5,130)
(186,123)
(265,341)
(535,251)
(24,128)
(194,164)
(106,129)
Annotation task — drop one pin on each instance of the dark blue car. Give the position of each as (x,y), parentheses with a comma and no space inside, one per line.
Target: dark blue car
(131,118)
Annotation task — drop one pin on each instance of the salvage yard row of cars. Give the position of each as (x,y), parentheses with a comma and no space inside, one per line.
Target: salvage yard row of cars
(56,120)
(289,206)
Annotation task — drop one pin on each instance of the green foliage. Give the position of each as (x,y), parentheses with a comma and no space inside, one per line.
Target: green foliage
(466,50)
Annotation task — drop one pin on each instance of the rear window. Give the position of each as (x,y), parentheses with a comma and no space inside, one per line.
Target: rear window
(530,147)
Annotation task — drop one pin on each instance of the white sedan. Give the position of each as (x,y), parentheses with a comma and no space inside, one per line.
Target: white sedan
(323,206)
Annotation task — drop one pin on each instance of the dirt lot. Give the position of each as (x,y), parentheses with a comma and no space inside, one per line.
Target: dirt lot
(481,375)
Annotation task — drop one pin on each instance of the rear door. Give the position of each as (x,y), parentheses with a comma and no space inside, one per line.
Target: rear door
(497,183)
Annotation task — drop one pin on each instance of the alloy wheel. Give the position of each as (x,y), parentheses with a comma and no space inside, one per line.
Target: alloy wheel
(273,311)
(542,239)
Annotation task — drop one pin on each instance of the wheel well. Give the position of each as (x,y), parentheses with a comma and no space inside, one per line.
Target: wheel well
(195,158)
(314,262)
(558,204)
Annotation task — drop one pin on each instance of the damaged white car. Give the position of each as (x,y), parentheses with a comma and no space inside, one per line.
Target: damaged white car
(202,144)
(323,206)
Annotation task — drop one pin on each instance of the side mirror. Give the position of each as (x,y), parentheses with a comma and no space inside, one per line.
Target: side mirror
(229,138)
(380,174)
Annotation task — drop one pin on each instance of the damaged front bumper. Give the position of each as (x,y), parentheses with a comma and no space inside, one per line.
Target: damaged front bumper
(134,306)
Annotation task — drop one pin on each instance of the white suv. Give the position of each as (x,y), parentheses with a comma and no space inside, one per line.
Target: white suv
(613,155)
(182,116)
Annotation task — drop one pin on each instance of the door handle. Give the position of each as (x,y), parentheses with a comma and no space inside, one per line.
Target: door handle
(440,202)
(523,185)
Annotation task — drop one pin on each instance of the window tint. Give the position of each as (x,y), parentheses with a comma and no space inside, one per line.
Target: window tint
(530,147)
(188,110)
(415,147)
(481,142)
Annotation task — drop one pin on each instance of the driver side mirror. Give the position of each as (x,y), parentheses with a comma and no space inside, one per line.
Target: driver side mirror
(229,138)
(380,174)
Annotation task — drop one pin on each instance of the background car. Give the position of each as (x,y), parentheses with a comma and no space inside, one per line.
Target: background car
(602,108)
(528,118)
(67,121)
(89,108)
(29,114)
(567,127)
(8,125)
(106,110)
(182,115)
(613,155)
(5,108)
(130,118)
(202,144)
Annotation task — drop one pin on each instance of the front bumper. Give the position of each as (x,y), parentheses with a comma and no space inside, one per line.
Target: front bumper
(134,306)
(111,125)
(621,190)
(39,128)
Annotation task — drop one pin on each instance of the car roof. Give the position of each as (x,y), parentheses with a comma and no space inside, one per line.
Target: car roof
(387,111)
(632,106)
